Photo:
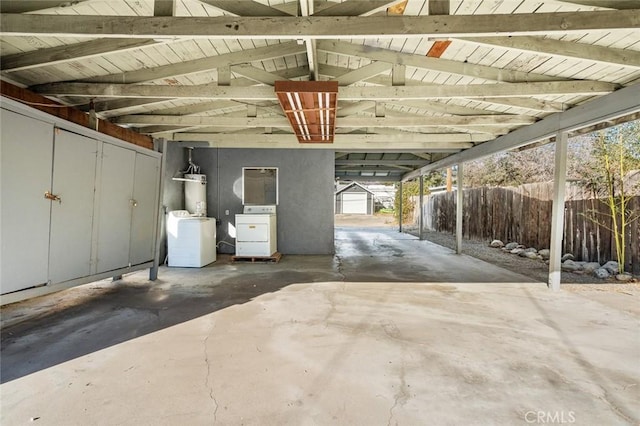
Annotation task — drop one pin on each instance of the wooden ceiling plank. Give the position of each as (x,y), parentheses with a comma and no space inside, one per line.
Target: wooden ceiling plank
(611,4)
(22,6)
(318,27)
(356,8)
(244,8)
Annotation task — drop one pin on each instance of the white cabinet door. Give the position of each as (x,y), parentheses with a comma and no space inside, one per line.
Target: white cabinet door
(26,151)
(115,204)
(145,213)
(74,175)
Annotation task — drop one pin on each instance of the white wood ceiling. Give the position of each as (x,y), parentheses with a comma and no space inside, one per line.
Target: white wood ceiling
(574,65)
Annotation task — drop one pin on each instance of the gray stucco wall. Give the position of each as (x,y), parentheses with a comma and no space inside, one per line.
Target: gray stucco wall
(306,191)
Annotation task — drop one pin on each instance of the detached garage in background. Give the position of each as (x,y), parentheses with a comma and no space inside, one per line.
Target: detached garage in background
(354,199)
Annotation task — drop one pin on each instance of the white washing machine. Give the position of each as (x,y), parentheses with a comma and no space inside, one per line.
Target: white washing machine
(191,240)
(256,231)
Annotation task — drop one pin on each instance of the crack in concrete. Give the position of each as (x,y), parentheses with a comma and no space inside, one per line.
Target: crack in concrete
(207,383)
(401,396)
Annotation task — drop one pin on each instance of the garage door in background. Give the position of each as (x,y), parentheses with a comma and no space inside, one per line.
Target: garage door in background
(354,203)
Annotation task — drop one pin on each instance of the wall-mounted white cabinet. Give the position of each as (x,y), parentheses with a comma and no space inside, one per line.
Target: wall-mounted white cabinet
(75,205)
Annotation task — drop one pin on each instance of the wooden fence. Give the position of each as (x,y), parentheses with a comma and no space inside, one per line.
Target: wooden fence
(523,214)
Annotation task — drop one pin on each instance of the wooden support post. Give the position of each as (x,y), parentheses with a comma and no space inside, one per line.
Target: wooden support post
(449,180)
(400,208)
(420,213)
(160,146)
(557,211)
(459,205)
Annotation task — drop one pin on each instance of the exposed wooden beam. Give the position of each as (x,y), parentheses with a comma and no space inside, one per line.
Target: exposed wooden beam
(346,109)
(589,52)
(201,65)
(112,106)
(623,102)
(535,105)
(356,8)
(74,52)
(306,10)
(343,178)
(401,142)
(244,8)
(406,162)
(363,73)
(163,7)
(389,168)
(23,6)
(256,74)
(438,7)
(531,104)
(209,91)
(420,121)
(440,107)
(316,26)
(424,62)
(14,93)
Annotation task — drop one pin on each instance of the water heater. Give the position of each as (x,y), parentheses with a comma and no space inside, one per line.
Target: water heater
(195,194)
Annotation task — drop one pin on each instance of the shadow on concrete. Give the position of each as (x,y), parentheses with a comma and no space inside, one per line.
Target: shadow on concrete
(90,318)
(113,313)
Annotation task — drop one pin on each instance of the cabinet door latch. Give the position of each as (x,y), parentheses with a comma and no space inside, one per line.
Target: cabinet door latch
(52,197)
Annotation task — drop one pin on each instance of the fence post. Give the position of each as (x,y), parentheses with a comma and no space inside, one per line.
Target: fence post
(420,219)
(557,211)
(460,200)
(400,208)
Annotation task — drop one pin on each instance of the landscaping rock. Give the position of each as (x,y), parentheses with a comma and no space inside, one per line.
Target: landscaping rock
(567,256)
(496,244)
(589,267)
(570,265)
(517,250)
(531,250)
(624,277)
(511,246)
(531,255)
(601,273)
(611,266)
(545,253)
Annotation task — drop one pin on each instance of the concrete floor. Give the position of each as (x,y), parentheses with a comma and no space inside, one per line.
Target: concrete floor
(390,331)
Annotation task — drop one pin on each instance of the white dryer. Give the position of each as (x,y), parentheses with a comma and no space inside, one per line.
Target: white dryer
(191,240)
(256,231)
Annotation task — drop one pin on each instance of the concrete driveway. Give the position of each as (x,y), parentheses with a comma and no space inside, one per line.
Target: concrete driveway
(313,341)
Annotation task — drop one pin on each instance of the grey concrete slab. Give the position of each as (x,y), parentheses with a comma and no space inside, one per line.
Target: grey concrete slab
(310,341)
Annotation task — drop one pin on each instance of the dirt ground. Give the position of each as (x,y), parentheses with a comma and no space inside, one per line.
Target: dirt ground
(535,269)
